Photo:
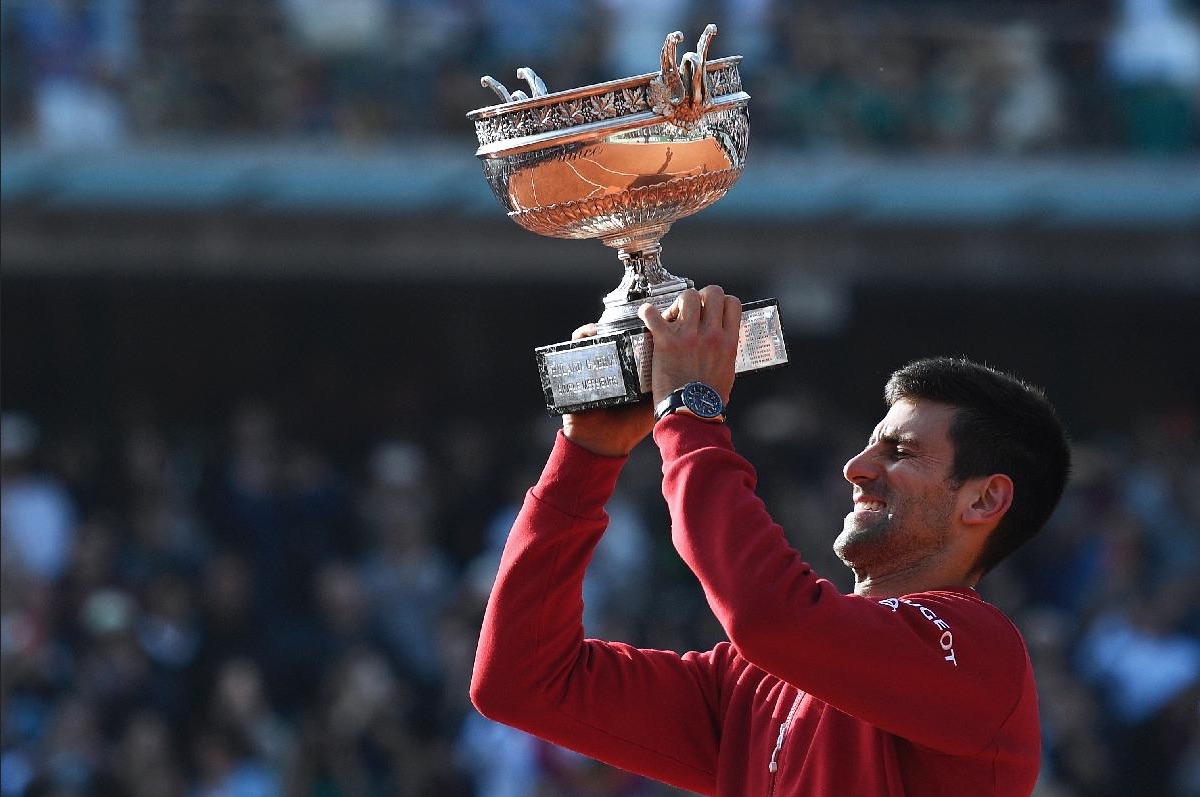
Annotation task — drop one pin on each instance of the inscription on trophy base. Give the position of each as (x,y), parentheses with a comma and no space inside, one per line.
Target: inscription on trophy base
(614,368)
(589,373)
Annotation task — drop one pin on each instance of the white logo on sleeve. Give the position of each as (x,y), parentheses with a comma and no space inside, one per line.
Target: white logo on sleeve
(946,640)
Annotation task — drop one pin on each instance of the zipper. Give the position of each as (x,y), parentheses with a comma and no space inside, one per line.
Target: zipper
(773,767)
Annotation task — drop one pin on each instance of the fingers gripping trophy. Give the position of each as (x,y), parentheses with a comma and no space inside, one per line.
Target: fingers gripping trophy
(621,161)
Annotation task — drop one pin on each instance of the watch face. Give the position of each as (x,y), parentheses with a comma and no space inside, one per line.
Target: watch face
(702,400)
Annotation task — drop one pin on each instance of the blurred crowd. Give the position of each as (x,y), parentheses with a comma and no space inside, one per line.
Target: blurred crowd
(247,611)
(240,612)
(916,75)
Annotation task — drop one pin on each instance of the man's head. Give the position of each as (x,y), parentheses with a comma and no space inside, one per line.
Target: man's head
(961,444)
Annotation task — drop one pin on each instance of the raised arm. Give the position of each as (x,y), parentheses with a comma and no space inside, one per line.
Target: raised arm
(648,711)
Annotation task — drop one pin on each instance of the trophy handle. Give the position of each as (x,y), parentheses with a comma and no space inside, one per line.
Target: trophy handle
(670,70)
(694,68)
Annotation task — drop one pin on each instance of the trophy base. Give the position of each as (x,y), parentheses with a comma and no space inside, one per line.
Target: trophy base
(613,368)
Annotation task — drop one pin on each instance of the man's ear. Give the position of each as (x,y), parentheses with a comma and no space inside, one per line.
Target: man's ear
(990,497)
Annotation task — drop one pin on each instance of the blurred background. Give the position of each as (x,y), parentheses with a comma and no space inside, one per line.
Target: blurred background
(269,399)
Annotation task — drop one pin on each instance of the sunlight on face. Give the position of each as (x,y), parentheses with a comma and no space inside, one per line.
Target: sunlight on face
(903,496)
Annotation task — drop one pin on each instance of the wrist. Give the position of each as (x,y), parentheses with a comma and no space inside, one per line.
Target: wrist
(697,399)
(601,439)
(603,448)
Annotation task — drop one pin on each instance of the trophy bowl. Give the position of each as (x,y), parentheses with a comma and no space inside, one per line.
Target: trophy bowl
(621,161)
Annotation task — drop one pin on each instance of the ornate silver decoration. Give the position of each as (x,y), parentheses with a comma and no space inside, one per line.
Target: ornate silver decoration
(682,92)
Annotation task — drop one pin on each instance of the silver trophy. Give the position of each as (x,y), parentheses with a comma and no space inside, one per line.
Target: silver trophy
(620,161)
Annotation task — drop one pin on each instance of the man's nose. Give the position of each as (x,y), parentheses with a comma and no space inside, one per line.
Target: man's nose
(859,467)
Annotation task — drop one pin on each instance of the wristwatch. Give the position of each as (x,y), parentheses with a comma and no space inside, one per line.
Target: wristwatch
(696,399)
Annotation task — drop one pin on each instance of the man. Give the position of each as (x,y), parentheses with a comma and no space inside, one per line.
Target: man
(912,685)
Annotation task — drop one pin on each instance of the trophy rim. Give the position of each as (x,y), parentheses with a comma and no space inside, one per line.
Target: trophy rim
(590,130)
(503,108)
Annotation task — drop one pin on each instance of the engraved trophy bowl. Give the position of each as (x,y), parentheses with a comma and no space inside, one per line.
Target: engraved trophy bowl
(621,161)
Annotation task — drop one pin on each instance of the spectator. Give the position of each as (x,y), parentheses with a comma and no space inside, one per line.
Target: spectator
(226,768)
(75,763)
(144,760)
(341,45)
(169,634)
(355,739)
(282,507)
(1148,674)
(228,627)
(82,53)
(1029,113)
(1154,58)
(407,576)
(240,707)
(37,516)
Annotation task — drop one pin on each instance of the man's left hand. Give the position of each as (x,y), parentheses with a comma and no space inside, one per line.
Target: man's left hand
(610,431)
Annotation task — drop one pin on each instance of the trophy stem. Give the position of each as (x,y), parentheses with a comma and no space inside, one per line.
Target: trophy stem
(645,279)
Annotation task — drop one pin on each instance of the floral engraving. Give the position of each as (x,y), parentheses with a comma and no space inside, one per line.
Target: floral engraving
(634,99)
(605,106)
(660,99)
(573,110)
(547,117)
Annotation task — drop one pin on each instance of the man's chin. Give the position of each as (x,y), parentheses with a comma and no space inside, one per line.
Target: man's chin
(857,540)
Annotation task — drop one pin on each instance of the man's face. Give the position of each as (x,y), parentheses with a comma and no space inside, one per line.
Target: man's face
(904,500)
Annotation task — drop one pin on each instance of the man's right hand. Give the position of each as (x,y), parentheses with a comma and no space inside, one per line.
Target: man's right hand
(695,339)
(610,431)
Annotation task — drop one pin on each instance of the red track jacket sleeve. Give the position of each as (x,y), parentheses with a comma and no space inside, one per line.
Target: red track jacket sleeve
(648,711)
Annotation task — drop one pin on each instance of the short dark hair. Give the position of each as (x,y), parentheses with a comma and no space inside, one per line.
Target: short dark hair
(1002,425)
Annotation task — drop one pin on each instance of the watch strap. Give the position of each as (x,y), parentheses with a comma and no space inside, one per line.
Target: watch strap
(667,406)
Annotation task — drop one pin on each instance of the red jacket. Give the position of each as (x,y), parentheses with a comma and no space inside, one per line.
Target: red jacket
(817,693)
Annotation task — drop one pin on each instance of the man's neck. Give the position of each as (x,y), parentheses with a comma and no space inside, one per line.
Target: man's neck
(905,581)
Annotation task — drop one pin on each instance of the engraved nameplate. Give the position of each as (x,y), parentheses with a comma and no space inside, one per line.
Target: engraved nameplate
(588,373)
(760,344)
